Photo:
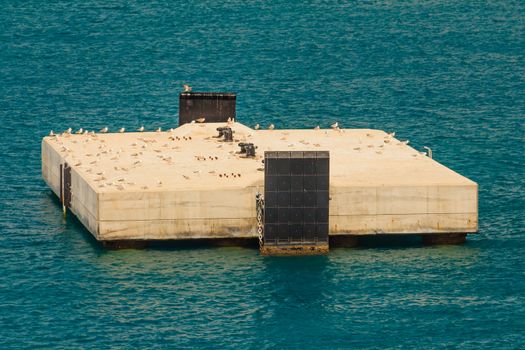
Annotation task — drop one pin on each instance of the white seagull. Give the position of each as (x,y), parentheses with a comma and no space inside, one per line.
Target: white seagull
(257,126)
(104,129)
(187,88)
(121,130)
(335,125)
(271,127)
(141,129)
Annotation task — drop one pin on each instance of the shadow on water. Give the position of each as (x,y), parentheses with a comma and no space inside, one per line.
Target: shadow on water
(295,280)
(390,241)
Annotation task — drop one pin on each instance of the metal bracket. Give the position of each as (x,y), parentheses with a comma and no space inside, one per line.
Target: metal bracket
(225,132)
(248,149)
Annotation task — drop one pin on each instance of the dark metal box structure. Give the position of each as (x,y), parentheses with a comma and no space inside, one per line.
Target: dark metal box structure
(296,192)
(214,106)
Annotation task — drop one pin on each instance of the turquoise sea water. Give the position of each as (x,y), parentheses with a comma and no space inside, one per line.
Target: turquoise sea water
(447,74)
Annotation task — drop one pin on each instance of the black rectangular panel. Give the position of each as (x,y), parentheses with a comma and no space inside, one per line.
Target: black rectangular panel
(283,183)
(213,106)
(296,166)
(322,166)
(296,215)
(322,199)
(321,215)
(309,231)
(271,181)
(271,215)
(283,214)
(297,183)
(271,231)
(284,231)
(283,199)
(297,199)
(310,198)
(296,190)
(270,200)
(309,215)
(321,229)
(283,166)
(322,182)
(310,182)
(309,165)
(67,185)
(296,231)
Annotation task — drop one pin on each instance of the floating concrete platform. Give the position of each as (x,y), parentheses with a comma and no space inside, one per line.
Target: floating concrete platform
(188,184)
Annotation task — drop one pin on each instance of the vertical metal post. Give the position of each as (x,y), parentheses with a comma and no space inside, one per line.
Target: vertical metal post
(62,190)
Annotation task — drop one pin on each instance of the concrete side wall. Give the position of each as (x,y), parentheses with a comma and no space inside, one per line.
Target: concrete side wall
(172,205)
(84,203)
(403,224)
(51,161)
(231,214)
(178,215)
(419,209)
(177,229)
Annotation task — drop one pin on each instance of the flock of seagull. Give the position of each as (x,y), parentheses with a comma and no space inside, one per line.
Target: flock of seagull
(334,126)
(104,151)
(105,129)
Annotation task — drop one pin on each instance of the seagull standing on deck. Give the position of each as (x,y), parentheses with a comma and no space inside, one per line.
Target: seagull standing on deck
(187,88)
(80,131)
(257,126)
(271,127)
(121,130)
(104,129)
(317,127)
(335,125)
(141,129)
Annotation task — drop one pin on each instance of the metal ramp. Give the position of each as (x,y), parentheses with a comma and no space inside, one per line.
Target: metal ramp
(296,202)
